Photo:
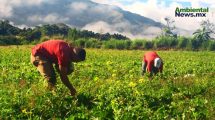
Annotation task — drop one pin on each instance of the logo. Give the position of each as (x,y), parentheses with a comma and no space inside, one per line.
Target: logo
(191,12)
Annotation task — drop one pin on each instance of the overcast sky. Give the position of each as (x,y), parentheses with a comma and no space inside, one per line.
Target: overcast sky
(159,9)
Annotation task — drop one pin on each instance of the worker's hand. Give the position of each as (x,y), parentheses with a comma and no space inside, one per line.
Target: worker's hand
(73,92)
(65,80)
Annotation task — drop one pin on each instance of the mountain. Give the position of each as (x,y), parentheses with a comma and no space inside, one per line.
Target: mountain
(83,14)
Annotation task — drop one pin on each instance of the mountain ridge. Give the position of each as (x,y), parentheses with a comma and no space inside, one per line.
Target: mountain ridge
(85,14)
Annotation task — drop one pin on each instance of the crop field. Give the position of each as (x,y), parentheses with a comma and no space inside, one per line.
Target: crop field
(109,86)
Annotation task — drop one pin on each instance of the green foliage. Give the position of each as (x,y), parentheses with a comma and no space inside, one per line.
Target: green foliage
(93,43)
(165,42)
(72,34)
(141,44)
(110,86)
(182,42)
(80,42)
(6,29)
(31,35)
(147,44)
(51,31)
(11,35)
(205,45)
(195,44)
(9,40)
(116,44)
(108,45)
(202,34)
(137,44)
(55,29)
(211,46)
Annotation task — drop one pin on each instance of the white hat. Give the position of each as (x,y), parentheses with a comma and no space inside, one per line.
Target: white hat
(157,62)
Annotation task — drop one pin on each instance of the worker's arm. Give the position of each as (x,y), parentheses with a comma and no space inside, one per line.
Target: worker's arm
(144,64)
(63,75)
(161,68)
(70,68)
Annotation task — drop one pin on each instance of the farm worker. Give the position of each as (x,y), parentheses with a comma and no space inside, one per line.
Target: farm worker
(151,63)
(60,53)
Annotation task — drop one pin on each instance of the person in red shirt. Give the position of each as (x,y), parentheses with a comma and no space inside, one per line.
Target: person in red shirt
(152,63)
(60,53)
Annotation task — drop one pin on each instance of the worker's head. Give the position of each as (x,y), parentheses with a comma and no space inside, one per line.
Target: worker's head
(79,54)
(157,62)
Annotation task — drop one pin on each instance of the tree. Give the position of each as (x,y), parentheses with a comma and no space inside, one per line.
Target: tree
(46,30)
(169,28)
(205,32)
(63,29)
(210,27)
(202,34)
(72,34)
(7,29)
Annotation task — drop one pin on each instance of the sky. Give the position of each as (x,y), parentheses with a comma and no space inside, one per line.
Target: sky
(159,9)
(154,9)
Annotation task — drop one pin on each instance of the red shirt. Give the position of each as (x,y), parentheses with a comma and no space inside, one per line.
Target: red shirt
(149,60)
(57,51)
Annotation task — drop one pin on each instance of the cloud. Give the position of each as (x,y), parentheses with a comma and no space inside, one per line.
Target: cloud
(26,2)
(110,2)
(198,3)
(5,9)
(124,28)
(50,18)
(99,27)
(111,19)
(157,11)
(152,31)
(104,27)
(7,6)
(78,6)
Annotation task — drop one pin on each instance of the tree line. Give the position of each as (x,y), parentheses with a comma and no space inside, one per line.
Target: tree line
(12,35)
(168,40)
